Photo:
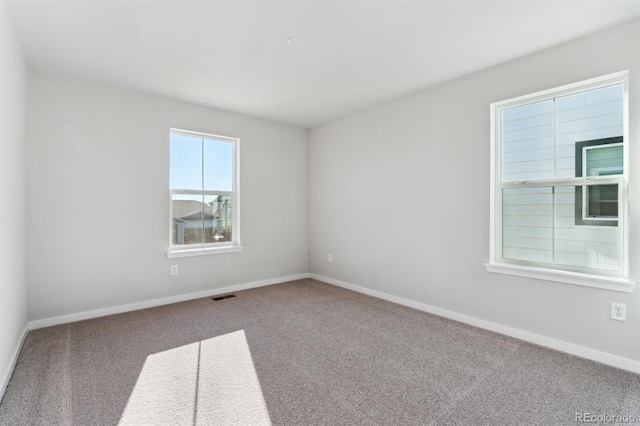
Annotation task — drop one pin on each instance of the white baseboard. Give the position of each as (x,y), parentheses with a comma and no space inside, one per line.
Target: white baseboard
(559,345)
(64,319)
(12,362)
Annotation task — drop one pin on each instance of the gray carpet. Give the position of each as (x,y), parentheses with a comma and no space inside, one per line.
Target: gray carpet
(323,355)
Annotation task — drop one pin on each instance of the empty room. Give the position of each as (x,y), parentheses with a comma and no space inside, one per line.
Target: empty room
(319,213)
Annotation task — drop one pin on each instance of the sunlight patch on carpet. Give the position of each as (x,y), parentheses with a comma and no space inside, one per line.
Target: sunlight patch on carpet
(213,381)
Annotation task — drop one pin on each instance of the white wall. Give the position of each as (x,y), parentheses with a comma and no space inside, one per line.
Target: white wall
(13,207)
(98,162)
(400,197)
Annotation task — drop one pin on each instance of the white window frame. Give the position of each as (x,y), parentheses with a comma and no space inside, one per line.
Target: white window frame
(616,280)
(585,193)
(211,248)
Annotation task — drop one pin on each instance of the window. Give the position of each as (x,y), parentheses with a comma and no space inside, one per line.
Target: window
(559,178)
(597,205)
(204,194)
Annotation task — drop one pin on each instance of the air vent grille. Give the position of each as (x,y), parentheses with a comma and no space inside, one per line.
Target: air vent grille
(226,296)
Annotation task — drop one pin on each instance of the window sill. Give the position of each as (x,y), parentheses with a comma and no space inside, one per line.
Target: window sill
(172,254)
(598,281)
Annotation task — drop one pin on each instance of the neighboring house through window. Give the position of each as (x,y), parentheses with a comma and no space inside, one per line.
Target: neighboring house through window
(204,194)
(559,177)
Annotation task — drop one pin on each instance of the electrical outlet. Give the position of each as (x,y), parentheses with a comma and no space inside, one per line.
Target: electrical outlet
(329,258)
(618,311)
(174,269)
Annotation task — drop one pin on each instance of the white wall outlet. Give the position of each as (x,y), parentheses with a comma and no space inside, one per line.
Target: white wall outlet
(329,258)
(618,311)
(174,269)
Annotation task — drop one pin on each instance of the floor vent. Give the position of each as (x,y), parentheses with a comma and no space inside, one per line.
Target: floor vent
(228,296)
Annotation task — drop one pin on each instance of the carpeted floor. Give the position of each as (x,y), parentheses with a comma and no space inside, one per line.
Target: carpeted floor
(323,355)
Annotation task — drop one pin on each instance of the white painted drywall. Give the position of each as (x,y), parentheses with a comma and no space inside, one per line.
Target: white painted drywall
(400,197)
(98,188)
(13,206)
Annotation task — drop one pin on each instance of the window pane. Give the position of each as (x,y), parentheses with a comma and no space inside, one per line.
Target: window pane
(580,245)
(186,162)
(604,160)
(527,225)
(188,213)
(527,142)
(218,226)
(218,165)
(589,115)
(602,201)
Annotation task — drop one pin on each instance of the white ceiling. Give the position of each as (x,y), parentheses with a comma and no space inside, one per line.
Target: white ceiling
(234,56)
